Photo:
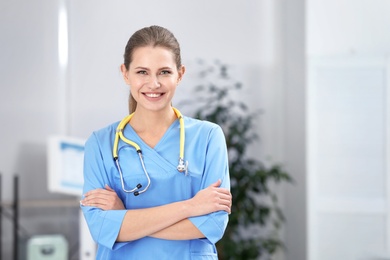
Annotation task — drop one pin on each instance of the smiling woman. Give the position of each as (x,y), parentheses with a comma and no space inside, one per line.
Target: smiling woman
(178,212)
(153,77)
(168,56)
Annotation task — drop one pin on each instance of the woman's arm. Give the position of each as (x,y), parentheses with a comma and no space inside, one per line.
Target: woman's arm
(107,199)
(163,221)
(182,230)
(216,166)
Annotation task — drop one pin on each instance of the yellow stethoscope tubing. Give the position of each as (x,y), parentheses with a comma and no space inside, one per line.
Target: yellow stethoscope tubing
(182,135)
(119,135)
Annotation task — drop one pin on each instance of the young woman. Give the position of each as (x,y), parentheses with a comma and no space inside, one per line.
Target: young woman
(156,184)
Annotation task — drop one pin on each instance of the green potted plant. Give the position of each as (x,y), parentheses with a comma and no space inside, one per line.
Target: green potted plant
(255,221)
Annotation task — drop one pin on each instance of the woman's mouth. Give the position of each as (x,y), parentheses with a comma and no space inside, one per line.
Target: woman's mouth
(153,95)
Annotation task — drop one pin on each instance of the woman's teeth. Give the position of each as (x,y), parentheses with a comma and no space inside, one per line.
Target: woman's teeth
(153,95)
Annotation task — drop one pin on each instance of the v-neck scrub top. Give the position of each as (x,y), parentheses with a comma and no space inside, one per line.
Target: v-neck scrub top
(206,153)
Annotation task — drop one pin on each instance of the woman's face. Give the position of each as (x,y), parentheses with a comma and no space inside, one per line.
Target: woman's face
(153,77)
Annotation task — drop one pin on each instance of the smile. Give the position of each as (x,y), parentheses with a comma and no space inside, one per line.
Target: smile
(153,95)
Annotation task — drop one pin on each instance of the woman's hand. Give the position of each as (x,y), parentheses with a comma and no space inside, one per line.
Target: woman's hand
(105,199)
(211,199)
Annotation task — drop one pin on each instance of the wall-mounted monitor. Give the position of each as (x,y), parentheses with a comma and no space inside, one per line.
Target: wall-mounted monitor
(65,157)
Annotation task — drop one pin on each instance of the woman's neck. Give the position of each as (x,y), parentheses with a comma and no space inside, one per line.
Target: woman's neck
(152,121)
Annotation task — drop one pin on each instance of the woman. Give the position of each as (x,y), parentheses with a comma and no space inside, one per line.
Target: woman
(183,210)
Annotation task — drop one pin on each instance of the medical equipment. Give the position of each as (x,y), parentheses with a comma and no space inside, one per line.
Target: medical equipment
(181,167)
(49,247)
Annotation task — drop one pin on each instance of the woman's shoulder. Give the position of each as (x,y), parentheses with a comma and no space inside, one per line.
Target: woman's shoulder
(194,122)
(104,132)
(203,130)
(200,126)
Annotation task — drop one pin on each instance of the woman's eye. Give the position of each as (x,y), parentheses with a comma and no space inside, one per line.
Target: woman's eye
(164,72)
(143,72)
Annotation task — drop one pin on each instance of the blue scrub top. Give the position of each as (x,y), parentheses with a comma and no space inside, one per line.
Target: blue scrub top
(206,153)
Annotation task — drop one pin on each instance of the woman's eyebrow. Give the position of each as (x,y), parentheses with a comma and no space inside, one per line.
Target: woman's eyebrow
(166,68)
(140,67)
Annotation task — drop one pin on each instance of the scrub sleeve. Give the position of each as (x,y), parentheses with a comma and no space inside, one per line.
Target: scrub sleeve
(213,225)
(103,225)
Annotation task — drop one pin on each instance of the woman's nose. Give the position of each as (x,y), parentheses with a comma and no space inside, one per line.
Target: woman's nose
(154,83)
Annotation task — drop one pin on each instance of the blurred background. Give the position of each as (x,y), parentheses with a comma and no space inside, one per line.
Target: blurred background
(319,71)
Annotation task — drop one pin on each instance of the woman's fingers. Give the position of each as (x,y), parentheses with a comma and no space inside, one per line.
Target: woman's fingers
(225,202)
(96,197)
(93,200)
(224,199)
(212,199)
(216,184)
(108,187)
(105,199)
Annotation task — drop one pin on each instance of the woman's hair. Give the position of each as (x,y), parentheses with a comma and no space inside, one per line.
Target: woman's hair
(155,36)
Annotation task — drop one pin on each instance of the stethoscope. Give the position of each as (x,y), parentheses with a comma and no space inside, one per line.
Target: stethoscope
(181,167)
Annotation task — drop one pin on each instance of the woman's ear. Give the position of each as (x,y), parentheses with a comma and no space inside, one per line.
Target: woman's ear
(125,74)
(181,72)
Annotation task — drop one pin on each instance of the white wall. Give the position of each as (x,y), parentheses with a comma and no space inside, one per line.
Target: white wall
(29,73)
(28,114)
(312,29)
(347,41)
(294,134)
(347,27)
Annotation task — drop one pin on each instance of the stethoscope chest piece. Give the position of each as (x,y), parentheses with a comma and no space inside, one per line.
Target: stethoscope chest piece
(183,167)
